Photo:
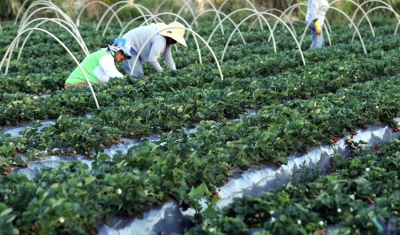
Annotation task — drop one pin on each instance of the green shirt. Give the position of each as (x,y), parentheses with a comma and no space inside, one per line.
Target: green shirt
(89,65)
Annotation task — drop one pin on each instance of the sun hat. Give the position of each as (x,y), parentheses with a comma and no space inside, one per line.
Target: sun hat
(174,33)
(123,45)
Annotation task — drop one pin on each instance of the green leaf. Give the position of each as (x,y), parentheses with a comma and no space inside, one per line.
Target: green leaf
(13,177)
(220,177)
(102,157)
(211,213)
(18,160)
(6,212)
(283,160)
(168,184)
(89,180)
(57,203)
(138,214)
(10,219)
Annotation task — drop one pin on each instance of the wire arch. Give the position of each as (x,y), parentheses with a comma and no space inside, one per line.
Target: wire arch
(268,10)
(376,8)
(132,21)
(250,3)
(226,16)
(243,9)
(279,19)
(20,10)
(291,9)
(356,29)
(128,3)
(24,22)
(368,1)
(386,4)
(217,15)
(45,2)
(159,6)
(77,36)
(93,2)
(119,9)
(186,3)
(358,7)
(48,5)
(11,48)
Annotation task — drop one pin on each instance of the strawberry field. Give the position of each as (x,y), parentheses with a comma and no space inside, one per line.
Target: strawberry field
(195,130)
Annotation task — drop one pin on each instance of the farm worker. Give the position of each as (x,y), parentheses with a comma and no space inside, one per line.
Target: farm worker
(315,16)
(100,66)
(159,45)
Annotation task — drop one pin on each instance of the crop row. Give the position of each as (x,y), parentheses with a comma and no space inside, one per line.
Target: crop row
(358,191)
(341,89)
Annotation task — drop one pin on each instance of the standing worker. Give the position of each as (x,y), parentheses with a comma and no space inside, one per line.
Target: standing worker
(100,65)
(159,45)
(315,16)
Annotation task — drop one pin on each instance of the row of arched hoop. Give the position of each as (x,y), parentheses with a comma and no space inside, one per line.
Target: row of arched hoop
(28,24)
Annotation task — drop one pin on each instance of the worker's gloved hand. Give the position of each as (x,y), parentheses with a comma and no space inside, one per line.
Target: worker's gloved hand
(317,25)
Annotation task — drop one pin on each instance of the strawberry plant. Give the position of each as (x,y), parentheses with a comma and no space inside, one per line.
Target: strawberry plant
(294,107)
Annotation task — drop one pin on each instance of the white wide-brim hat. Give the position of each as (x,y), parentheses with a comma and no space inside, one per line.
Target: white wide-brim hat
(174,33)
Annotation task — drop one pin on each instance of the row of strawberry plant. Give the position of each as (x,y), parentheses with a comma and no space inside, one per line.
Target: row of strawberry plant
(173,113)
(342,199)
(306,81)
(58,68)
(207,155)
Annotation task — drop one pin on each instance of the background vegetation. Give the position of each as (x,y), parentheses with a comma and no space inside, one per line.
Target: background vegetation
(9,8)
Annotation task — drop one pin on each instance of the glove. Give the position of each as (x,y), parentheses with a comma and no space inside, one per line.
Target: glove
(317,25)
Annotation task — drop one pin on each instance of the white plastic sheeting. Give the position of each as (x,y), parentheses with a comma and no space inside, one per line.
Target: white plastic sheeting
(170,218)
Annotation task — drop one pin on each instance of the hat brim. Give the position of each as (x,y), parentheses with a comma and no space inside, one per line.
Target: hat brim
(128,57)
(173,33)
(123,45)
(127,51)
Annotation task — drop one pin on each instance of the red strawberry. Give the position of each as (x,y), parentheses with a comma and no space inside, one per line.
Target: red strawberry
(335,139)
(215,195)
(122,141)
(396,129)
(369,201)
(320,231)
(8,171)
(354,133)
(15,154)
(304,97)
(163,202)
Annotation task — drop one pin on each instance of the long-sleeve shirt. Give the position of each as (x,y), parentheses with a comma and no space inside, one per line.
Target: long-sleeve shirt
(109,70)
(98,66)
(156,47)
(317,9)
